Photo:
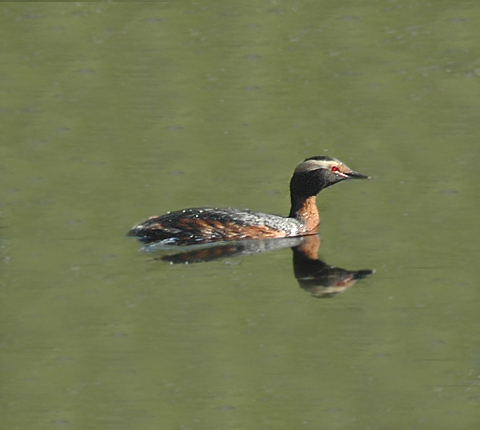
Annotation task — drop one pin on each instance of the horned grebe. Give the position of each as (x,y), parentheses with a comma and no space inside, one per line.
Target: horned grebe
(205,225)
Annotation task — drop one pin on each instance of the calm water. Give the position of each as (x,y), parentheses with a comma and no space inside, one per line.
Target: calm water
(111,112)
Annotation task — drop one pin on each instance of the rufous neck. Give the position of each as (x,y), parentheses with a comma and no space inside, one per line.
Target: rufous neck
(304,209)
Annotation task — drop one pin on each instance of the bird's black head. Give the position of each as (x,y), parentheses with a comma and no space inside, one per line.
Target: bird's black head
(316,173)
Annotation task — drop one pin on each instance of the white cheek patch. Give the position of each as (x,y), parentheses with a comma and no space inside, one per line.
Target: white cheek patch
(308,166)
(339,167)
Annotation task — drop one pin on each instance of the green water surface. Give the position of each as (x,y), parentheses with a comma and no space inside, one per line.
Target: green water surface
(112,112)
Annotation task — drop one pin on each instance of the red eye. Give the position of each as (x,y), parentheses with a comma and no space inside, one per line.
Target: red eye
(335,169)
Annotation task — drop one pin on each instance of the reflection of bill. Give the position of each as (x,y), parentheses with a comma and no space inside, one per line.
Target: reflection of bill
(311,273)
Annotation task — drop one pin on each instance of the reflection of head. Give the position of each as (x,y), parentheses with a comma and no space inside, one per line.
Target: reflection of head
(318,277)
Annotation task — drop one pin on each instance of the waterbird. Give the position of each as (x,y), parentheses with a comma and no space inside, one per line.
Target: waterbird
(206,225)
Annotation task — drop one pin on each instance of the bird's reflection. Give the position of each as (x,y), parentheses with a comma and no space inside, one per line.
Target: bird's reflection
(318,277)
(312,274)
